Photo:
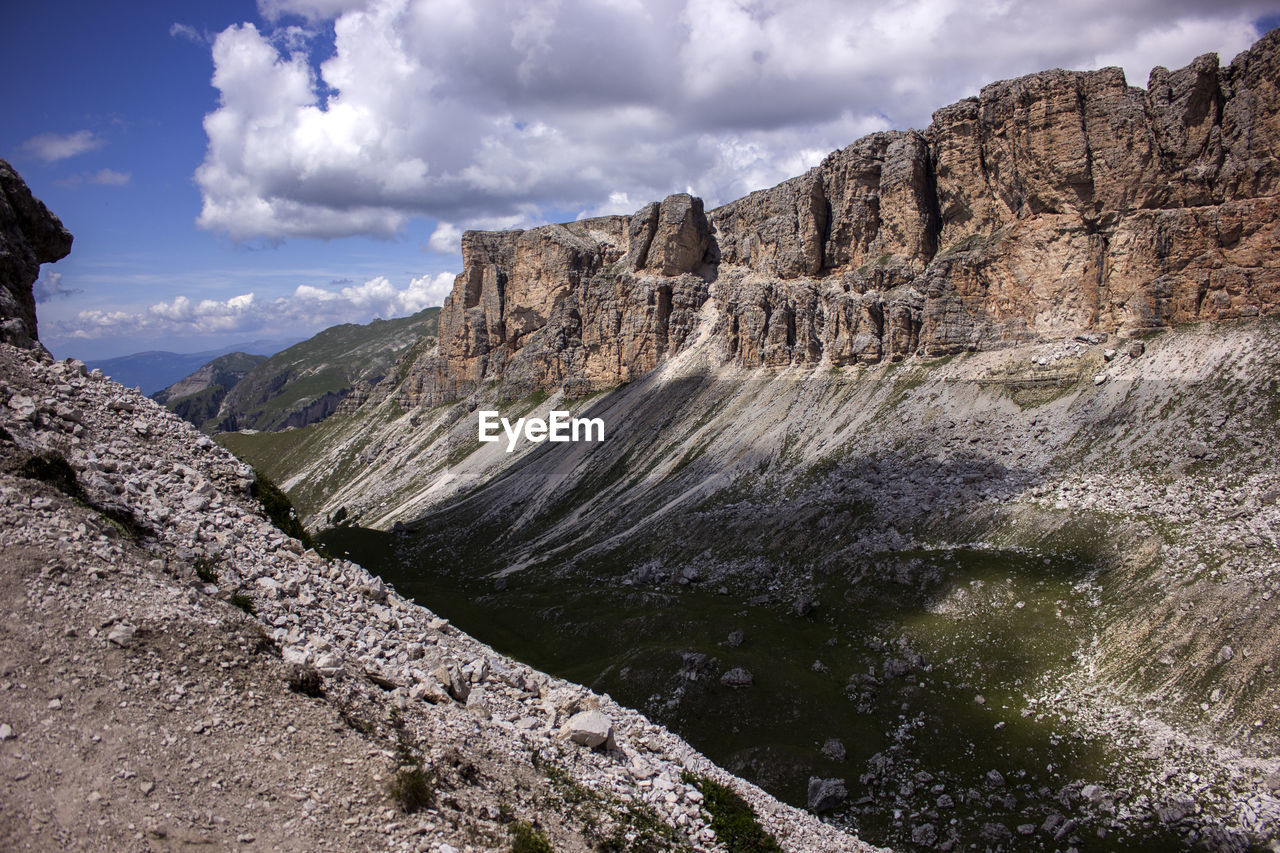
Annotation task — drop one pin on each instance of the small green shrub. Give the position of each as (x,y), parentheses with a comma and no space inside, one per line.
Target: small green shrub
(527,838)
(413,788)
(280,509)
(52,467)
(204,569)
(307,680)
(244,602)
(732,818)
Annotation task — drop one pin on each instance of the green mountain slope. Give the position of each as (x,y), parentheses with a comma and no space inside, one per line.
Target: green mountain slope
(308,381)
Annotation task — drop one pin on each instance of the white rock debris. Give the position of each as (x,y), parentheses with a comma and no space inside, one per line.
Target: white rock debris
(142,702)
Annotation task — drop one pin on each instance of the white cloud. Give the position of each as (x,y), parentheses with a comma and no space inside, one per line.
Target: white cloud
(52,147)
(109,178)
(49,287)
(447,238)
(513,110)
(312,10)
(306,310)
(190,33)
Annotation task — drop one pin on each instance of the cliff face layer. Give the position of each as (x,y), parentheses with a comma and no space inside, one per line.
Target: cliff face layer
(29,236)
(1056,204)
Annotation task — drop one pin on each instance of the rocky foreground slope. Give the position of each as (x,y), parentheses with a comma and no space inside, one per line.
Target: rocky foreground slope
(175,670)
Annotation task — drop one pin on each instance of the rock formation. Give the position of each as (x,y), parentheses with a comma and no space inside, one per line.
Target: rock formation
(1056,204)
(29,236)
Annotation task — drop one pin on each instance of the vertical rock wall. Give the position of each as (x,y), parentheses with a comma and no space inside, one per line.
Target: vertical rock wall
(1056,204)
(29,236)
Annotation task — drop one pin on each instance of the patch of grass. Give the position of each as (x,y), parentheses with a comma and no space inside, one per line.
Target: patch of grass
(968,243)
(607,819)
(355,722)
(244,602)
(462,451)
(732,818)
(307,680)
(52,467)
(527,838)
(280,509)
(413,787)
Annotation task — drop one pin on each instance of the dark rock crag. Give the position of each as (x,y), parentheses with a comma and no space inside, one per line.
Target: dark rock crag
(1056,204)
(29,236)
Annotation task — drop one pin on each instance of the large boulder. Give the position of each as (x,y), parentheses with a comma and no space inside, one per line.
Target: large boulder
(591,729)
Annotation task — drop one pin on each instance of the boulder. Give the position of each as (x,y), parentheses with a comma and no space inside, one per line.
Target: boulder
(826,794)
(737,677)
(591,729)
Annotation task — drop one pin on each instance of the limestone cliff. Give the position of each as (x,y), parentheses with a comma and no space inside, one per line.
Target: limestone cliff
(1056,204)
(29,236)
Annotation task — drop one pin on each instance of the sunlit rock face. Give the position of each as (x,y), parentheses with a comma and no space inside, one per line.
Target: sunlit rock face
(1058,203)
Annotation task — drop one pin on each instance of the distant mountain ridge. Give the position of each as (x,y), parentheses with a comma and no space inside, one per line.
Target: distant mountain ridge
(198,397)
(154,370)
(309,381)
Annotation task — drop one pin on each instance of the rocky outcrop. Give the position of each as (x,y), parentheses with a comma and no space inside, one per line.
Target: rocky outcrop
(29,236)
(1056,204)
(587,304)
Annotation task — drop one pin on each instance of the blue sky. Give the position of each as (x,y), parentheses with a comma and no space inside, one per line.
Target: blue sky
(116,72)
(239,170)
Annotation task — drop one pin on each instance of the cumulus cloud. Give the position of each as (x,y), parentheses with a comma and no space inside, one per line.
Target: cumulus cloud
(312,10)
(514,110)
(52,147)
(307,309)
(49,286)
(447,239)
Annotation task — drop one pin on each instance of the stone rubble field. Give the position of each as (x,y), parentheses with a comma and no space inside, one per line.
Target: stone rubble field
(174,670)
